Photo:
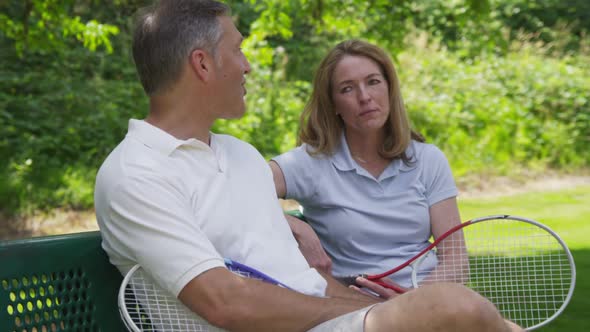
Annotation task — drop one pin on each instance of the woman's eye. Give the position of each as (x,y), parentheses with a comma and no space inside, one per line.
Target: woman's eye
(345,89)
(374,81)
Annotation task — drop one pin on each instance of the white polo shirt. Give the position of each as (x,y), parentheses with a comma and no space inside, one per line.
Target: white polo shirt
(178,207)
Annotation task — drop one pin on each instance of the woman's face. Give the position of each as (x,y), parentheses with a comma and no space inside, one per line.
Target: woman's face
(360,94)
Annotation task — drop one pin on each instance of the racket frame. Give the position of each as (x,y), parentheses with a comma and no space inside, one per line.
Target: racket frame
(417,259)
(233,266)
(122,304)
(569,256)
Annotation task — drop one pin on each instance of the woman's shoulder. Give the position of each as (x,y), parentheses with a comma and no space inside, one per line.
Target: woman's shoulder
(303,158)
(422,151)
(305,151)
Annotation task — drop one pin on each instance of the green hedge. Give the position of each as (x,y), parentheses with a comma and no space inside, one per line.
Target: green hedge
(498,84)
(498,112)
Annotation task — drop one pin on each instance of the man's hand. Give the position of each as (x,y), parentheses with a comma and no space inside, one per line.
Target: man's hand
(310,245)
(382,292)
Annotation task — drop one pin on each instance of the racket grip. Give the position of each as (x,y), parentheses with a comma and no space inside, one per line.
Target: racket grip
(350,280)
(393,287)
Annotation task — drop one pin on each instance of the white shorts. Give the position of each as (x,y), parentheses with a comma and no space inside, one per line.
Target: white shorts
(350,322)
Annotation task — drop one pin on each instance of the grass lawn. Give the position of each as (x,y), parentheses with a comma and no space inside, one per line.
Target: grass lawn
(567,212)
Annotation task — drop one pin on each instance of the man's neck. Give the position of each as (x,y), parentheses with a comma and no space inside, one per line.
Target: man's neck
(181,118)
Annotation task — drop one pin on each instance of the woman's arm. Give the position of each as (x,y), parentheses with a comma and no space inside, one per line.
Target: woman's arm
(309,243)
(444,215)
(279,178)
(451,252)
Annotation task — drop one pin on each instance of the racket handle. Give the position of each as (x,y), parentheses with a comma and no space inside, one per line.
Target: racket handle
(351,280)
(393,287)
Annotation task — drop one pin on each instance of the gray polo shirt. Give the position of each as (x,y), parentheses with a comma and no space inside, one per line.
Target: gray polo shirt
(369,225)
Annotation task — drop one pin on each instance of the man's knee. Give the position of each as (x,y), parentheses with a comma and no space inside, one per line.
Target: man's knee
(440,307)
(466,308)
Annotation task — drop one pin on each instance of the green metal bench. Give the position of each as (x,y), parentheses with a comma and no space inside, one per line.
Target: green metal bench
(58,283)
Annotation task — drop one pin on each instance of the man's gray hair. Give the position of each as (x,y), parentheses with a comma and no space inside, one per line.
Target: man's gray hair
(167,32)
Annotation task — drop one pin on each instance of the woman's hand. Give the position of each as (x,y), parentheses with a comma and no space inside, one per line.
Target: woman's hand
(381,291)
(310,245)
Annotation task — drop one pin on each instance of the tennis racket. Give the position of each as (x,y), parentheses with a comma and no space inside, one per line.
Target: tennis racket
(520,265)
(144,306)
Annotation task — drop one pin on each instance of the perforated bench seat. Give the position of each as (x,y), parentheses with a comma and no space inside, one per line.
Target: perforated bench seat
(58,283)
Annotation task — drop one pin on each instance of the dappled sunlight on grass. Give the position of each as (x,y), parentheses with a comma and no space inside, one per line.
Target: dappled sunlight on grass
(564,211)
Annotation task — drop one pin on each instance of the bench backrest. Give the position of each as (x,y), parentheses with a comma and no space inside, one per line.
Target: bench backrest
(58,283)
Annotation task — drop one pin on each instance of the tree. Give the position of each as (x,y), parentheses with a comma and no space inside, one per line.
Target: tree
(52,25)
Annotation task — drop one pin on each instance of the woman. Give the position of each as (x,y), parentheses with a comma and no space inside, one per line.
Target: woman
(370,187)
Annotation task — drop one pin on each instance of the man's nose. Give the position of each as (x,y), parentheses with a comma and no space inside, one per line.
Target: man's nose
(247,67)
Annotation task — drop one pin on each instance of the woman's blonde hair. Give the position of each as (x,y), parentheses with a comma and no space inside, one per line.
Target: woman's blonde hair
(320,126)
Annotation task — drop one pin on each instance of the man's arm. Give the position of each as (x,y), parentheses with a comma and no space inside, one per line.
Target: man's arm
(336,289)
(226,300)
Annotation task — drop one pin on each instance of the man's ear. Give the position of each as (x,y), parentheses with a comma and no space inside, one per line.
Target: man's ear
(202,64)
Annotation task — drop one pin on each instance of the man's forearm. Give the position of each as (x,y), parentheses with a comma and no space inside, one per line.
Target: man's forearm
(279,309)
(241,304)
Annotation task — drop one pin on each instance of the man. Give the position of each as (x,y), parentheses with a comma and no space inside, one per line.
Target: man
(176,199)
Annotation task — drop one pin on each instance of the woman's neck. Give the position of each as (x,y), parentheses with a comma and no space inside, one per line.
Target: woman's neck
(365,148)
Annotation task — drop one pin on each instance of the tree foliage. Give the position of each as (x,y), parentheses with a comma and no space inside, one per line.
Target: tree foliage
(475,75)
(52,25)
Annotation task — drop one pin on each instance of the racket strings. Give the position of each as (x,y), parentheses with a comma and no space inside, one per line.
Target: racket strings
(520,267)
(153,309)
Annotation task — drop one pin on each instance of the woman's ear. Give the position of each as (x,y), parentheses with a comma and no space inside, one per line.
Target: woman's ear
(202,64)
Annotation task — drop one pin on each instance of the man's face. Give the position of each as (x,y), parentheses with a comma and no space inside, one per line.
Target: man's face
(231,68)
